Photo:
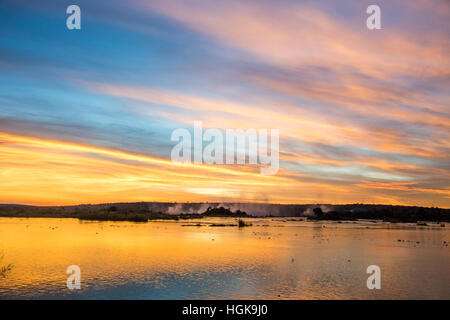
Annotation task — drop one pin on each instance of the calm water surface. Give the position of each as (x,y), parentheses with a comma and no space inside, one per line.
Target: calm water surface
(273,259)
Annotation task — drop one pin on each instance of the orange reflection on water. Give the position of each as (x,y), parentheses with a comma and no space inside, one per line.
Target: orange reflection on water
(274,258)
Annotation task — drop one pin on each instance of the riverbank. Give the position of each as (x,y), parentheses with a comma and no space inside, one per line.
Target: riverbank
(147,211)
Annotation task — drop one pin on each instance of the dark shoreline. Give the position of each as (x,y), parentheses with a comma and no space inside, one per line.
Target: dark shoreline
(147,211)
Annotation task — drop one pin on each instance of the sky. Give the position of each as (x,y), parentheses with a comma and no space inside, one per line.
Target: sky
(86,115)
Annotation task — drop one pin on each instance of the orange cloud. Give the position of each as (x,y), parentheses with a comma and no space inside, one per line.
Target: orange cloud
(407,186)
(292,35)
(41,171)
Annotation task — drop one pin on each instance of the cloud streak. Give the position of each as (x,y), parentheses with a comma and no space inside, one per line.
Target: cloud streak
(363,116)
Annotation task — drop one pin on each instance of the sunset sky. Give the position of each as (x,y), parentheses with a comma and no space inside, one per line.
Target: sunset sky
(86,115)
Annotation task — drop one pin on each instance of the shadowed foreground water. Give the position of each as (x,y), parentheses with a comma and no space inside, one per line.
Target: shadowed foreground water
(273,259)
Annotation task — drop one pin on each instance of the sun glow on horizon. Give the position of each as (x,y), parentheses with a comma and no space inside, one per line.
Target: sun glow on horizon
(50,172)
(363,115)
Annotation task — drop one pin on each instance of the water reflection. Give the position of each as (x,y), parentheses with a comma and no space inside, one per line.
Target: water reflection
(273,259)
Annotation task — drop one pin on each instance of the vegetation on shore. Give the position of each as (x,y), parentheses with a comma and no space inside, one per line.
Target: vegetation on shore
(385,213)
(223,212)
(242,223)
(147,211)
(4,269)
(127,212)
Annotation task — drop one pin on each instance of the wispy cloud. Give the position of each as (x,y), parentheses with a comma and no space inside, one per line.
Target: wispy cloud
(363,115)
